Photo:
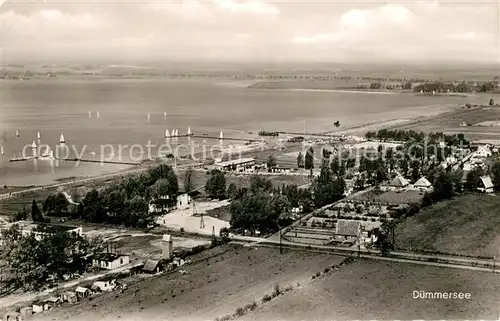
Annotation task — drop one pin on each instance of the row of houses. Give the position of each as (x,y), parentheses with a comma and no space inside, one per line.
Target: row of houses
(97,288)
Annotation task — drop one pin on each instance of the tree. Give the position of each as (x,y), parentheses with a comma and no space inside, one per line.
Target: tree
(495,173)
(93,209)
(36,214)
(300,160)
(271,162)
(260,183)
(443,187)
(61,203)
(309,159)
(473,179)
(136,212)
(415,170)
(360,181)
(232,191)
(215,186)
(403,166)
(188,181)
(113,201)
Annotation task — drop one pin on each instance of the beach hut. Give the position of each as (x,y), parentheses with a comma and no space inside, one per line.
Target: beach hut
(40,306)
(12,316)
(82,292)
(70,297)
(485,185)
(26,312)
(152,266)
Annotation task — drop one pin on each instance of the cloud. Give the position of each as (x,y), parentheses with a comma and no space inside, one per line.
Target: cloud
(251,29)
(317,38)
(252,7)
(471,36)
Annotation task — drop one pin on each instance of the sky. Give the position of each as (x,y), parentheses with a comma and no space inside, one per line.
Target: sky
(252,30)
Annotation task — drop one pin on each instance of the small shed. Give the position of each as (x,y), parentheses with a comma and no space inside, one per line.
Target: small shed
(152,266)
(26,312)
(103,286)
(485,184)
(12,316)
(70,297)
(82,292)
(40,307)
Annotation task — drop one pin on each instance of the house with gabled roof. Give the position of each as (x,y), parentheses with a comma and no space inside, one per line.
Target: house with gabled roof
(485,184)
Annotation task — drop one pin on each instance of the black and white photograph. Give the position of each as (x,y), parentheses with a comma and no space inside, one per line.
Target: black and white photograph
(249,160)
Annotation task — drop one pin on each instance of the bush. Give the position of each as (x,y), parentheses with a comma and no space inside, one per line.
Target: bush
(239,312)
(277,290)
(251,306)
(266,298)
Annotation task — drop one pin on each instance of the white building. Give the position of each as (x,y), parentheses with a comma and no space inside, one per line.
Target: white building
(110,261)
(162,205)
(236,165)
(483,151)
(105,286)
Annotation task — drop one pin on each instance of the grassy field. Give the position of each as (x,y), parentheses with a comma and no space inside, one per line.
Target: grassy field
(467,225)
(392,197)
(211,289)
(379,290)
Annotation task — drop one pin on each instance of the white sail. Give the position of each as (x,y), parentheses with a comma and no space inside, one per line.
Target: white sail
(221,135)
(1,150)
(167,134)
(98,115)
(149,116)
(61,139)
(90,114)
(189,131)
(164,114)
(17,133)
(177,132)
(33,145)
(38,135)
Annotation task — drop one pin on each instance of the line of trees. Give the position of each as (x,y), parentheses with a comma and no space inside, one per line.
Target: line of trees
(125,202)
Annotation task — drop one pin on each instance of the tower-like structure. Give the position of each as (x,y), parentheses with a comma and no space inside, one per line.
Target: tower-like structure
(167,246)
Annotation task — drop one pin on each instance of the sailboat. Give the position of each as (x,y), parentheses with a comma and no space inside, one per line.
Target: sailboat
(149,116)
(17,133)
(1,150)
(38,136)
(61,139)
(189,131)
(221,135)
(98,115)
(165,115)
(47,154)
(177,132)
(167,134)
(90,114)
(33,145)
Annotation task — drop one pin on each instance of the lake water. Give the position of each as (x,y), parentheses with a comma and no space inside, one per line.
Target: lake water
(53,107)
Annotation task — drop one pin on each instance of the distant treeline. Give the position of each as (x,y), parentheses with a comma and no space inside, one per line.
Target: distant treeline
(411,135)
(453,87)
(266,133)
